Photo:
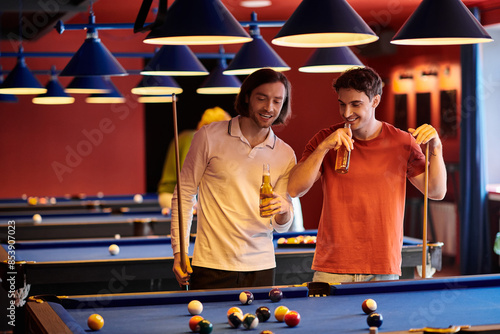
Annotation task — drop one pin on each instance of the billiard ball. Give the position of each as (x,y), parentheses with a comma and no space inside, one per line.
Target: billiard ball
(266,331)
(246,297)
(281,241)
(280,312)
(193,323)
(233,310)
(195,307)
(235,319)
(292,318)
(263,313)
(250,321)
(275,295)
(374,319)
(37,218)
(138,198)
(32,200)
(205,326)
(114,249)
(369,306)
(95,322)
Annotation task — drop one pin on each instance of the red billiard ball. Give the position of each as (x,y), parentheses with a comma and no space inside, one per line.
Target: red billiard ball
(275,295)
(194,321)
(369,306)
(374,319)
(292,318)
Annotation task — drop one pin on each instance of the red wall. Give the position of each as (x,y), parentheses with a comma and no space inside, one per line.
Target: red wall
(34,140)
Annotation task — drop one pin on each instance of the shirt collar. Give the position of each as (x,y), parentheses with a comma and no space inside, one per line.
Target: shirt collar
(234,130)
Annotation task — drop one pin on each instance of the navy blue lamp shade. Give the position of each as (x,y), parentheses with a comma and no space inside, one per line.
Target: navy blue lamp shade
(157,85)
(176,60)
(218,83)
(325,23)
(55,94)
(331,60)
(198,22)
(93,59)
(88,85)
(255,55)
(21,81)
(443,22)
(113,96)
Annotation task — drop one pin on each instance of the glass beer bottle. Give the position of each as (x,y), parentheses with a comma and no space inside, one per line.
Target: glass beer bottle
(266,189)
(343,157)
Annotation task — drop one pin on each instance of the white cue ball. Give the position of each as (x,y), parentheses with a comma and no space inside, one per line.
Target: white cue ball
(114,249)
(37,218)
(195,307)
(138,198)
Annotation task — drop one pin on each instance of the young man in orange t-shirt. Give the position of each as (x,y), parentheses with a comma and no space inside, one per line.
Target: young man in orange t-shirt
(360,233)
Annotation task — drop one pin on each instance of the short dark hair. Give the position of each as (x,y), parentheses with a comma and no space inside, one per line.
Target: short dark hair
(362,79)
(260,77)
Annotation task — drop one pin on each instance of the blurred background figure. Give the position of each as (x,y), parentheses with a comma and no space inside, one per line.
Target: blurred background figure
(169,178)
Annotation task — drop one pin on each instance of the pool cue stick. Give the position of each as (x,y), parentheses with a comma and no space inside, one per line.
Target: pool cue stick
(426,200)
(182,240)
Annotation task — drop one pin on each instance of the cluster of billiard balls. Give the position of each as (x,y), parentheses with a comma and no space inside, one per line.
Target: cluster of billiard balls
(236,318)
(374,318)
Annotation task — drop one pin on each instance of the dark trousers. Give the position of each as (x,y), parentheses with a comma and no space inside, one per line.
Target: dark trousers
(206,278)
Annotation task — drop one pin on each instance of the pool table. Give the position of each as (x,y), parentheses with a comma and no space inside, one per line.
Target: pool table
(76,202)
(406,304)
(72,225)
(145,264)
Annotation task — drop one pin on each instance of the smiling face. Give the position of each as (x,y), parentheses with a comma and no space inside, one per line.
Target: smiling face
(265,103)
(357,109)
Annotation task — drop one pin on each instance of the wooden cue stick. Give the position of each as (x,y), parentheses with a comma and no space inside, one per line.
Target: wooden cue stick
(182,239)
(426,197)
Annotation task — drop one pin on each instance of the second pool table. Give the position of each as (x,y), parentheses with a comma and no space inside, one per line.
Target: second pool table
(145,264)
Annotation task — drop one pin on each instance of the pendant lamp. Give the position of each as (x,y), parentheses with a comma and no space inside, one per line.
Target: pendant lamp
(331,60)
(113,96)
(255,55)
(198,22)
(218,83)
(325,23)
(88,85)
(442,22)
(176,60)
(20,80)
(55,94)
(157,85)
(93,58)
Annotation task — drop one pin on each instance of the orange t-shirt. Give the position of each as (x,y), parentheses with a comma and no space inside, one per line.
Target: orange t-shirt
(361,225)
